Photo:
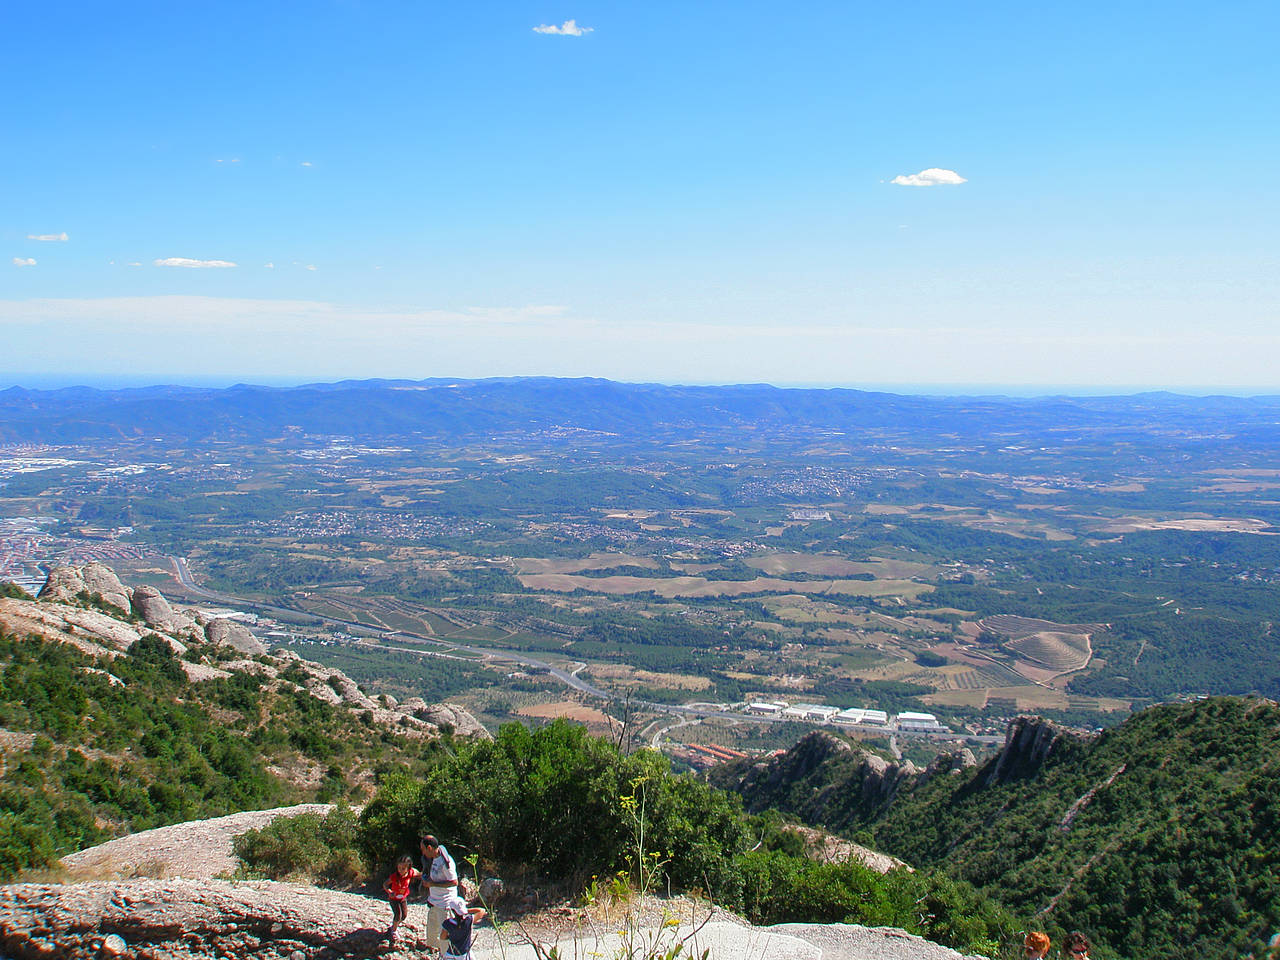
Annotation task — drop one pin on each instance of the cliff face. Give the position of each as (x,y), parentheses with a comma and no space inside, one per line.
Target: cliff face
(1028,743)
(823,779)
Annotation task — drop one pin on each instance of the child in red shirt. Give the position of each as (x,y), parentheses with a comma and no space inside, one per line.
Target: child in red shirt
(397,890)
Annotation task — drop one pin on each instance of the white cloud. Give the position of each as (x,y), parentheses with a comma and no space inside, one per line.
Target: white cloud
(311,266)
(306,163)
(135,263)
(569,28)
(187,262)
(24,261)
(269,265)
(219,315)
(48,237)
(933,177)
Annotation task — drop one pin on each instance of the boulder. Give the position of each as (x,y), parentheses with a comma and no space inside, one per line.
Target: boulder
(449,716)
(196,919)
(231,633)
(101,579)
(62,585)
(150,604)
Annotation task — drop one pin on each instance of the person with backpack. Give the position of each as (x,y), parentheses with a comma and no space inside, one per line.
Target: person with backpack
(457,928)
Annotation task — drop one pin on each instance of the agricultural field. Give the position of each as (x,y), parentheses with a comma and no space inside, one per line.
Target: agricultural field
(974,566)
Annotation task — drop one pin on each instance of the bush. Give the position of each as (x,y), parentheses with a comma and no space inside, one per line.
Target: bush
(558,805)
(308,846)
(551,802)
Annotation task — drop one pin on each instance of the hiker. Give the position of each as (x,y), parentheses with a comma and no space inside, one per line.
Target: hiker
(397,890)
(1076,946)
(456,930)
(1035,945)
(440,877)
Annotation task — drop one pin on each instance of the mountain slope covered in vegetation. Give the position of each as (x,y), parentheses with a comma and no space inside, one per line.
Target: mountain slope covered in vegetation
(1157,836)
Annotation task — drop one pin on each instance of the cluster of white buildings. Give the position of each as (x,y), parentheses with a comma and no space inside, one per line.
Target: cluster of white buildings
(906,722)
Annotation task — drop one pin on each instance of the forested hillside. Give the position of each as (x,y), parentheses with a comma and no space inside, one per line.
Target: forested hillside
(97,747)
(1158,836)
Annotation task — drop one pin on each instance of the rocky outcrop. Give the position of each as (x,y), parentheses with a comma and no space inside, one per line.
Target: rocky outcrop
(59,615)
(196,919)
(230,633)
(449,716)
(102,580)
(826,847)
(197,849)
(92,632)
(1028,743)
(150,604)
(951,764)
(822,778)
(207,919)
(62,585)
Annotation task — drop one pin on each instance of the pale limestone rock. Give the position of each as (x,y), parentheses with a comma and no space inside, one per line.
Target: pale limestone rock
(61,585)
(231,633)
(322,691)
(252,666)
(202,671)
(95,633)
(150,604)
(101,579)
(452,716)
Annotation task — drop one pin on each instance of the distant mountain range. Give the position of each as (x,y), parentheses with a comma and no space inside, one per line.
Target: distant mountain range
(480,408)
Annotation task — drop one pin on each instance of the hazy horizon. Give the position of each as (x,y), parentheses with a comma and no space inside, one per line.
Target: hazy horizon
(952,197)
(1017,391)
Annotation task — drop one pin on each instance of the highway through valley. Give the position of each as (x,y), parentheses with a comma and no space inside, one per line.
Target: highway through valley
(515,657)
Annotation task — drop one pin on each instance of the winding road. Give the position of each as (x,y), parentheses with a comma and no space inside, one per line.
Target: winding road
(569,679)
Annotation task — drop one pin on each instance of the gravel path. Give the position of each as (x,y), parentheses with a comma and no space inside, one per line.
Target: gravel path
(199,849)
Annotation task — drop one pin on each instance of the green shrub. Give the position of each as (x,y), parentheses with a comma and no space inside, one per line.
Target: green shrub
(558,805)
(308,846)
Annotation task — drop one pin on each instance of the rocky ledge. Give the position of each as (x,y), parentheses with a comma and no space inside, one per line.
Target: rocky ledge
(208,919)
(196,919)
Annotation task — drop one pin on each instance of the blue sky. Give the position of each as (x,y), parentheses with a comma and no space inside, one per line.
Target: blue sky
(673,192)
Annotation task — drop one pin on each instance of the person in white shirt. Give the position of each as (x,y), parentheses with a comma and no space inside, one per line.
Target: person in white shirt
(440,877)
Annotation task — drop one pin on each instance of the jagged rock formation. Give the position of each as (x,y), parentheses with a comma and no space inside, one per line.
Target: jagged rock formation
(1028,743)
(60,615)
(449,716)
(229,633)
(150,604)
(102,580)
(952,764)
(822,777)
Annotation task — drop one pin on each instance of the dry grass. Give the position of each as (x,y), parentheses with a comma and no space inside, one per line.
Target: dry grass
(594,720)
(833,566)
(1188,524)
(597,561)
(673,587)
